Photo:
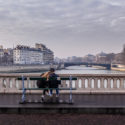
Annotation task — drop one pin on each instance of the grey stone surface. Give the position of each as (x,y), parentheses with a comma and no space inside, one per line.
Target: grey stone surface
(83,103)
(80,100)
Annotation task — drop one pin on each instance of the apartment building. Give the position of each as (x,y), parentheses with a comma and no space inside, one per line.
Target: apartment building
(48,55)
(38,55)
(27,55)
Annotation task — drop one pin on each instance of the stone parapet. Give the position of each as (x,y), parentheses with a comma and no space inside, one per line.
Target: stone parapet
(85,83)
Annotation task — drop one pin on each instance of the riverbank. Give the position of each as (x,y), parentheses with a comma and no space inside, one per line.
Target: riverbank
(122,69)
(26,68)
(99,67)
(118,69)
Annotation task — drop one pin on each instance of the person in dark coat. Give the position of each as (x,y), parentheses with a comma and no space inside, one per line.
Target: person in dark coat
(49,80)
(53,82)
(43,83)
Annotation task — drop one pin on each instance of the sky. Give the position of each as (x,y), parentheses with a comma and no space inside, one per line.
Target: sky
(67,27)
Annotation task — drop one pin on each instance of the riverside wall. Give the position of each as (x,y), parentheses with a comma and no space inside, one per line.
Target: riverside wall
(118,67)
(25,68)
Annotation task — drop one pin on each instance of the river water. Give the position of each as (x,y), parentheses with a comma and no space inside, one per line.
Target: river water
(81,70)
(86,70)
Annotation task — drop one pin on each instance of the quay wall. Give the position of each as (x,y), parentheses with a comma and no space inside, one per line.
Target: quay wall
(25,68)
(118,67)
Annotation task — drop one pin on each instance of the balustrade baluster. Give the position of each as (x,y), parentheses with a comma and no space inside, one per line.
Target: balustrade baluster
(7,84)
(83,83)
(20,84)
(92,83)
(115,84)
(14,88)
(67,83)
(63,83)
(120,87)
(118,83)
(99,83)
(89,84)
(122,83)
(34,84)
(96,83)
(80,83)
(109,83)
(1,84)
(102,83)
(77,83)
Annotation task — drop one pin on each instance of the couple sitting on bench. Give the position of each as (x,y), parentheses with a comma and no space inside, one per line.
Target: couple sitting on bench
(49,80)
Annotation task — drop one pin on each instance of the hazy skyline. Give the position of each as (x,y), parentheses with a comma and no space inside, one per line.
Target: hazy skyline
(67,27)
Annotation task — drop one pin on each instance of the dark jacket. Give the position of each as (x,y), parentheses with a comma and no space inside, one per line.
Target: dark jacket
(43,83)
(53,82)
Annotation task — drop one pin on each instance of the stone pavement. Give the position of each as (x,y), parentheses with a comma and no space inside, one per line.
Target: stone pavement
(83,103)
(61,119)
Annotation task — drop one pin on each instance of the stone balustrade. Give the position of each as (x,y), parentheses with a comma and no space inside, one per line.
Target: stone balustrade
(85,83)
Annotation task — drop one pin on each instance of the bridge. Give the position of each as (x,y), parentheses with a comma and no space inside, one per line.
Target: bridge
(107,66)
(96,93)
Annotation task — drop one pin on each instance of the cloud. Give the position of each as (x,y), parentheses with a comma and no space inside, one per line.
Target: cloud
(115,3)
(61,21)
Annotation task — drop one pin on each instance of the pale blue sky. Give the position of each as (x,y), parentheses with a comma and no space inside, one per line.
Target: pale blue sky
(68,27)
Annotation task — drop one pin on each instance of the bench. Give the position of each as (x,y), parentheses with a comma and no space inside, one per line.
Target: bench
(23,78)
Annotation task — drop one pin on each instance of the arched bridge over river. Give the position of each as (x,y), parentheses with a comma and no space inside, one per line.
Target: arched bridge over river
(107,66)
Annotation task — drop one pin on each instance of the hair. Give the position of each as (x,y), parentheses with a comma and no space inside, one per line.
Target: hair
(52,70)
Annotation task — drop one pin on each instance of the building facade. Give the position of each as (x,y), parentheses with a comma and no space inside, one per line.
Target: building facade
(101,58)
(1,53)
(27,55)
(6,56)
(48,55)
(38,55)
(89,58)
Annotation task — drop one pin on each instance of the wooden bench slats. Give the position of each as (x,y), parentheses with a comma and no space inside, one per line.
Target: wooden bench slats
(74,78)
(48,88)
(39,78)
(20,78)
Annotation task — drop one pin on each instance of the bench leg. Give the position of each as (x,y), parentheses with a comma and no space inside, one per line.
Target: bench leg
(70,96)
(24,91)
(24,96)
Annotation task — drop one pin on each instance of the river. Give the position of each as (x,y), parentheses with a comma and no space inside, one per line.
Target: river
(86,70)
(80,70)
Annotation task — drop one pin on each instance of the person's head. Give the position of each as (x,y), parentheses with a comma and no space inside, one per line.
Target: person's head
(52,70)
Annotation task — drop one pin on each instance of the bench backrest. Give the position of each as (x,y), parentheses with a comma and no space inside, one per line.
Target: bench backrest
(39,78)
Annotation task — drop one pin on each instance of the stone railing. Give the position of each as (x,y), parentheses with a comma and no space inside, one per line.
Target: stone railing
(85,83)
